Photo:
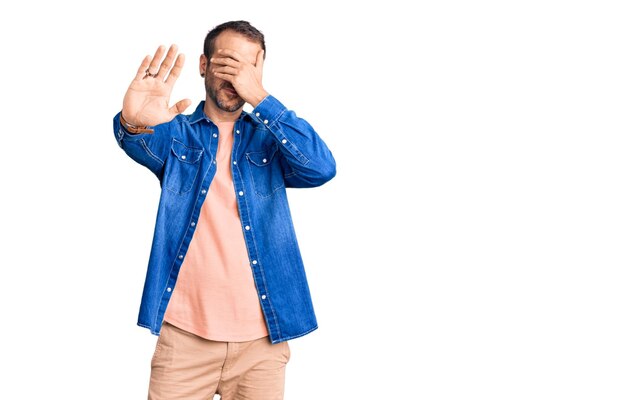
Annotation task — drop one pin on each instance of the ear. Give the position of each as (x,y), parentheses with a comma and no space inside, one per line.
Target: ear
(260,59)
(204,62)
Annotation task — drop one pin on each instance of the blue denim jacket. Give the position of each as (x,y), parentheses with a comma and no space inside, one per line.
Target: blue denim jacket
(273,149)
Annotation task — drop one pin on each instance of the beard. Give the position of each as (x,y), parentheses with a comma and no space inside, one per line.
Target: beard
(223,100)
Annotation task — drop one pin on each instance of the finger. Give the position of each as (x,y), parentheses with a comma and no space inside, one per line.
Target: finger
(167,63)
(180,107)
(141,72)
(260,59)
(226,77)
(230,53)
(225,70)
(175,72)
(225,61)
(156,60)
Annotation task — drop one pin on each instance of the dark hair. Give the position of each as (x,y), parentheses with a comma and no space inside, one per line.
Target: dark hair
(242,27)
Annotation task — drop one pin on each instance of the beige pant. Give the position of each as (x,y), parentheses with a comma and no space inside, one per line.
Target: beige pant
(186,366)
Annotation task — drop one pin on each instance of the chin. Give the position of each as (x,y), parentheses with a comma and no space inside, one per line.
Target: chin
(231,105)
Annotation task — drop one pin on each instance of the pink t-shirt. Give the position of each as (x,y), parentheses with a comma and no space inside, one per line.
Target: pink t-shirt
(215,296)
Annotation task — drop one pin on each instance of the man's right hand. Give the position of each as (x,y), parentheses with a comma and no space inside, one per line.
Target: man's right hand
(146,102)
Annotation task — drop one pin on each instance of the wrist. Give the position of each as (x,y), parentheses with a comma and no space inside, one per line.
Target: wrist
(133,128)
(123,118)
(257,98)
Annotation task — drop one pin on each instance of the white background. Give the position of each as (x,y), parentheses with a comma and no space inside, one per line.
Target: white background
(470,247)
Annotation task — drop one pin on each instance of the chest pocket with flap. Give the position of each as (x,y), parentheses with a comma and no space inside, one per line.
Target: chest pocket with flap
(182,167)
(265,170)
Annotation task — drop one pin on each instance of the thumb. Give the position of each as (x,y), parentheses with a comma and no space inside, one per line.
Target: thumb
(180,107)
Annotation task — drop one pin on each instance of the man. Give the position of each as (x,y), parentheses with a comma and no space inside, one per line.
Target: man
(225,287)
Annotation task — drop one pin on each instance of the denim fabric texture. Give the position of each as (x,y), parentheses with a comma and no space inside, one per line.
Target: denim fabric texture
(273,149)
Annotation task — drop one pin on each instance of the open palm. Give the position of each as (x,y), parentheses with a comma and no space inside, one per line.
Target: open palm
(146,102)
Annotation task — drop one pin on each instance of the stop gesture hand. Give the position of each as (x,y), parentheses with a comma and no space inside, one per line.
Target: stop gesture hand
(146,102)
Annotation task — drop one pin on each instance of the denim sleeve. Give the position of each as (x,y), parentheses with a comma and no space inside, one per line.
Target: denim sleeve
(311,162)
(148,149)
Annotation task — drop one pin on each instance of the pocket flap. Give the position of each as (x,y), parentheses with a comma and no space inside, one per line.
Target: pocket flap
(185,153)
(262,158)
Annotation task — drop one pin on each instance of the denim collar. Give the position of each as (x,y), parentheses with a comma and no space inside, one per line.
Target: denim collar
(199,114)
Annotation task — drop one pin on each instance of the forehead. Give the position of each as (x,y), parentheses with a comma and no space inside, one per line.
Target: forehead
(241,44)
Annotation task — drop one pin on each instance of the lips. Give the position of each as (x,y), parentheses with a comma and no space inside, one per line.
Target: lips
(230,90)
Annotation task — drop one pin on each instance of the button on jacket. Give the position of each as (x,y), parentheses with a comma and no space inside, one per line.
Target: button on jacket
(273,149)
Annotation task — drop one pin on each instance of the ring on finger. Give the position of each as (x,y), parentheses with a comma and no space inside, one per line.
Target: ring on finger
(148,74)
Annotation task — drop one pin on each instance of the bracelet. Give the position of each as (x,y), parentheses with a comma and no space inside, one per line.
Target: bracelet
(134,128)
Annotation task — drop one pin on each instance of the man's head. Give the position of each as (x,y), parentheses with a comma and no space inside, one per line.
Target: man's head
(235,35)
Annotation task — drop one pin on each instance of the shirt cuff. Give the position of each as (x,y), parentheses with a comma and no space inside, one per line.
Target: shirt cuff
(269,110)
(121,132)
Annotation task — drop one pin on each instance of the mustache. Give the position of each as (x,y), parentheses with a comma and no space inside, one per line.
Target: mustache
(227,85)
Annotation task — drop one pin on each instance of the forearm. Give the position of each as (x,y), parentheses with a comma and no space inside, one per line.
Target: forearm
(148,149)
(302,148)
